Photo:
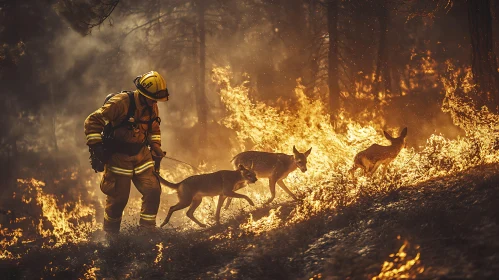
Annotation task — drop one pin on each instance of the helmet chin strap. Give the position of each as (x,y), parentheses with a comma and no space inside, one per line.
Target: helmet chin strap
(143,100)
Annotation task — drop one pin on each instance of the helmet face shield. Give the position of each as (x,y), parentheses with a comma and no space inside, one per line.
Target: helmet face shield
(152,85)
(162,95)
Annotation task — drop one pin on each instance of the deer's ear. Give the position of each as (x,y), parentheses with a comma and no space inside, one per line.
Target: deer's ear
(403,134)
(387,135)
(308,152)
(241,167)
(295,151)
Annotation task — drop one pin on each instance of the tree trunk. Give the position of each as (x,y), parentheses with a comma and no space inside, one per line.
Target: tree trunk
(333,73)
(483,58)
(195,63)
(202,106)
(53,137)
(10,138)
(13,167)
(382,75)
(315,49)
(295,35)
(396,79)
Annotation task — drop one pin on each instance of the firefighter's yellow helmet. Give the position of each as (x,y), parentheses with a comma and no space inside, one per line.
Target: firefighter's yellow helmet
(152,85)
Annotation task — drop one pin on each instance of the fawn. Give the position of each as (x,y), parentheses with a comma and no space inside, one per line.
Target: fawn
(371,158)
(191,190)
(275,166)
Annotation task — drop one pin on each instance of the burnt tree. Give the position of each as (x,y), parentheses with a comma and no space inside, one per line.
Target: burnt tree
(333,72)
(483,58)
(382,74)
(202,105)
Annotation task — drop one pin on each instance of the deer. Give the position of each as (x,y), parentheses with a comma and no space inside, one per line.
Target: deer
(223,183)
(371,158)
(274,166)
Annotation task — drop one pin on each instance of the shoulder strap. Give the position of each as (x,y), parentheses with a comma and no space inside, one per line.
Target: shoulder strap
(131,110)
(132,107)
(109,96)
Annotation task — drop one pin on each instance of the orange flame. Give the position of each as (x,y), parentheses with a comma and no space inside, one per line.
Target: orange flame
(325,185)
(71,223)
(400,267)
(159,256)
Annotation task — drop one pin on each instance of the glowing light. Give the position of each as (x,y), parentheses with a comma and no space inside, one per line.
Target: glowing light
(400,267)
(264,224)
(9,238)
(90,271)
(159,256)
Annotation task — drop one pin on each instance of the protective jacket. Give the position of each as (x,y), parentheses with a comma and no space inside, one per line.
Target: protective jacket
(131,160)
(114,111)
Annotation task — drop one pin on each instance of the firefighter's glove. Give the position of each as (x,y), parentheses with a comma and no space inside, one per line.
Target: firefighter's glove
(157,160)
(98,157)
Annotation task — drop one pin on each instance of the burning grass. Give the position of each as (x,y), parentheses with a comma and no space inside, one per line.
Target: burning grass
(59,223)
(325,186)
(400,266)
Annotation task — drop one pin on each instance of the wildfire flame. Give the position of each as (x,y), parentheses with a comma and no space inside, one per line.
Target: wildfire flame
(159,257)
(270,222)
(90,272)
(9,238)
(70,223)
(325,185)
(400,267)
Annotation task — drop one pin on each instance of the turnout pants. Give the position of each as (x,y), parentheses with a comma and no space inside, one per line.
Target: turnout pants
(119,172)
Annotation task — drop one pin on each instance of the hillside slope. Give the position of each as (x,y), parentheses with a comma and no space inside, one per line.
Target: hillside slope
(452,222)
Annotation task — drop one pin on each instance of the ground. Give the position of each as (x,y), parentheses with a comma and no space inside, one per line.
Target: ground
(452,222)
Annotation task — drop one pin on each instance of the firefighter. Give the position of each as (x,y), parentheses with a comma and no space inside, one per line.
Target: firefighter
(124,140)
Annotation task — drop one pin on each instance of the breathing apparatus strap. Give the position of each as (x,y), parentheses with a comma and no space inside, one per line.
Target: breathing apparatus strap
(131,111)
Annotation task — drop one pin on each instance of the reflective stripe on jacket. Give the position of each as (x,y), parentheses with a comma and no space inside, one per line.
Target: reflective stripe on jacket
(125,165)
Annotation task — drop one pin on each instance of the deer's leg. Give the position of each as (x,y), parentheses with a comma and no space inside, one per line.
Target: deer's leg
(374,168)
(229,200)
(353,169)
(351,172)
(221,200)
(272,183)
(194,206)
(368,166)
(283,186)
(385,167)
(231,193)
(179,206)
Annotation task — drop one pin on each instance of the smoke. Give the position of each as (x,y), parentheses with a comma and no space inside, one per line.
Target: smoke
(66,76)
